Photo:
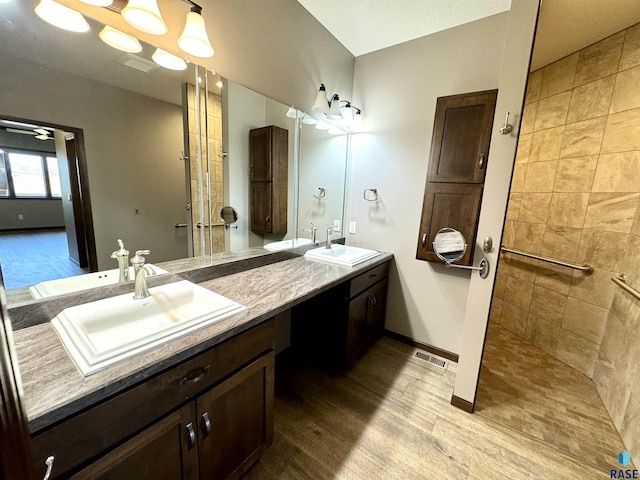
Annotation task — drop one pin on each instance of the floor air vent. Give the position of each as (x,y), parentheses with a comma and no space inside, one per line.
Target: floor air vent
(432,360)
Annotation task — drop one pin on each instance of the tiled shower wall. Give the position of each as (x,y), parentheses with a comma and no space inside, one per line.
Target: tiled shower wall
(575,196)
(216,178)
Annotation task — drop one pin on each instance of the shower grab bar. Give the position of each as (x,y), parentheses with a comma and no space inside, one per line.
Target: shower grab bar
(621,280)
(584,268)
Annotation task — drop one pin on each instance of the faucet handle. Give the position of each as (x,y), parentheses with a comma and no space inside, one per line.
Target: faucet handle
(138,259)
(121,252)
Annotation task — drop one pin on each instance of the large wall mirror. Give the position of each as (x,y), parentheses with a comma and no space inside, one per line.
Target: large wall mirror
(143,169)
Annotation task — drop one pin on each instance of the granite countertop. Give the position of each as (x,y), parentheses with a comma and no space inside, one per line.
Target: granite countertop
(55,389)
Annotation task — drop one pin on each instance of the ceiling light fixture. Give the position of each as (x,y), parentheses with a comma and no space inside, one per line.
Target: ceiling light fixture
(61,16)
(120,40)
(194,39)
(98,3)
(168,60)
(145,16)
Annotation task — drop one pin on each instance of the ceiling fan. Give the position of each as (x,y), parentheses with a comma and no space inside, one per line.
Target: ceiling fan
(39,133)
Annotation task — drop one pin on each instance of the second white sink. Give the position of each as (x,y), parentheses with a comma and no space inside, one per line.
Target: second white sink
(341,255)
(101,333)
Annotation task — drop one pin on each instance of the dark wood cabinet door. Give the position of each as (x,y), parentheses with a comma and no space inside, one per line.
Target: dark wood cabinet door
(166,450)
(376,313)
(357,329)
(235,421)
(461,135)
(260,149)
(261,214)
(449,205)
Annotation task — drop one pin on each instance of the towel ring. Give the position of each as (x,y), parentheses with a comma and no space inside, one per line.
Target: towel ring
(321,193)
(374,194)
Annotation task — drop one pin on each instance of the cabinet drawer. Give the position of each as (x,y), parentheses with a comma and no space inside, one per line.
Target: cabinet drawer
(368,278)
(92,432)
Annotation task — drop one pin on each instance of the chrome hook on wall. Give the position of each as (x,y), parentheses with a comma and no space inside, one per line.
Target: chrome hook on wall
(321,193)
(506,128)
(374,194)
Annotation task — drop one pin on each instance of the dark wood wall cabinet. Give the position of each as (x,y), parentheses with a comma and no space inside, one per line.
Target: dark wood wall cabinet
(331,330)
(268,158)
(210,417)
(457,166)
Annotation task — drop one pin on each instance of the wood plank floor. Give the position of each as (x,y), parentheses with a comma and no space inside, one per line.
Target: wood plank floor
(532,392)
(390,417)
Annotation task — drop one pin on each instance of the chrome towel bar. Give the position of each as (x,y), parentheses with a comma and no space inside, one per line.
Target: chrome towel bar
(584,268)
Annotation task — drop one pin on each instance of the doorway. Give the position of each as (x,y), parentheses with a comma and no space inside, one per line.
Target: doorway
(46,227)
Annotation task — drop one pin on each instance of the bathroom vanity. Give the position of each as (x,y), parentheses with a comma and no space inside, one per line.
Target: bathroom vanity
(202,405)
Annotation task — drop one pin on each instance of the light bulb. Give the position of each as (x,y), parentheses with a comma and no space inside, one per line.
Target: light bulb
(334,110)
(194,38)
(322,125)
(120,40)
(145,16)
(61,16)
(168,60)
(321,105)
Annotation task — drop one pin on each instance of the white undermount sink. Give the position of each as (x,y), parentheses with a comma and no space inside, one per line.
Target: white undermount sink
(101,333)
(60,286)
(285,244)
(341,255)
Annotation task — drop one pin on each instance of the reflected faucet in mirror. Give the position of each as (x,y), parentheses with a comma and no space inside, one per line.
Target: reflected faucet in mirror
(449,245)
(122,257)
(313,230)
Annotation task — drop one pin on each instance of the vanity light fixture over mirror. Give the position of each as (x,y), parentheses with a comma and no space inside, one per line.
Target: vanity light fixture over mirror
(348,115)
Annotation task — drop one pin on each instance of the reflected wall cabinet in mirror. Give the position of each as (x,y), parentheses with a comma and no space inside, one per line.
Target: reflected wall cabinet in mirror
(457,166)
(268,178)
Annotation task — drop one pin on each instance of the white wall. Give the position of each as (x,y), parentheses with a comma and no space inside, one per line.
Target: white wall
(397,88)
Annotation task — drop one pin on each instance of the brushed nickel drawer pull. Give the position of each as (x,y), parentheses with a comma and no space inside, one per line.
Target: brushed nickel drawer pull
(481,162)
(194,376)
(206,423)
(372,275)
(424,240)
(191,435)
(49,463)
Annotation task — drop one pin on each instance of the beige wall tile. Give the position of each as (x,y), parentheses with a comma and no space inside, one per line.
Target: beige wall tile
(583,138)
(635,229)
(514,319)
(528,237)
(626,95)
(559,76)
(548,304)
(591,100)
(631,50)
(501,283)
(534,84)
(523,268)
(599,60)
(611,212)
(513,207)
(524,147)
(528,117)
(602,375)
(603,249)
(596,288)
(622,132)
(575,174)
(542,334)
(509,233)
(554,277)
(611,340)
(585,320)
(518,292)
(617,172)
(534,207)
(519,174)
(552,111)
(568,209)
(496,310)
(631,262)
(546,144)
(540,176)
(561,242)
(576,351)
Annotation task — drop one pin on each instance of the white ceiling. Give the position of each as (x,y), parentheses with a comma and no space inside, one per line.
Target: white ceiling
(564,27)
(364,26)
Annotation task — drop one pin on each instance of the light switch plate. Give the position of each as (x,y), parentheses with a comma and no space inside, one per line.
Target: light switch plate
(336,225)
(352,227)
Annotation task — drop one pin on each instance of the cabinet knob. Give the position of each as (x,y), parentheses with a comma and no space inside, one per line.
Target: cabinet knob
(191,435)
(206,423)
(49,463)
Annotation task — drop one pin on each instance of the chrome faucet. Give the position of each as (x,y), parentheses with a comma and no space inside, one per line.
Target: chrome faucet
(329,236)
(140,274)
(312,231)
(140,289)
(122,256)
